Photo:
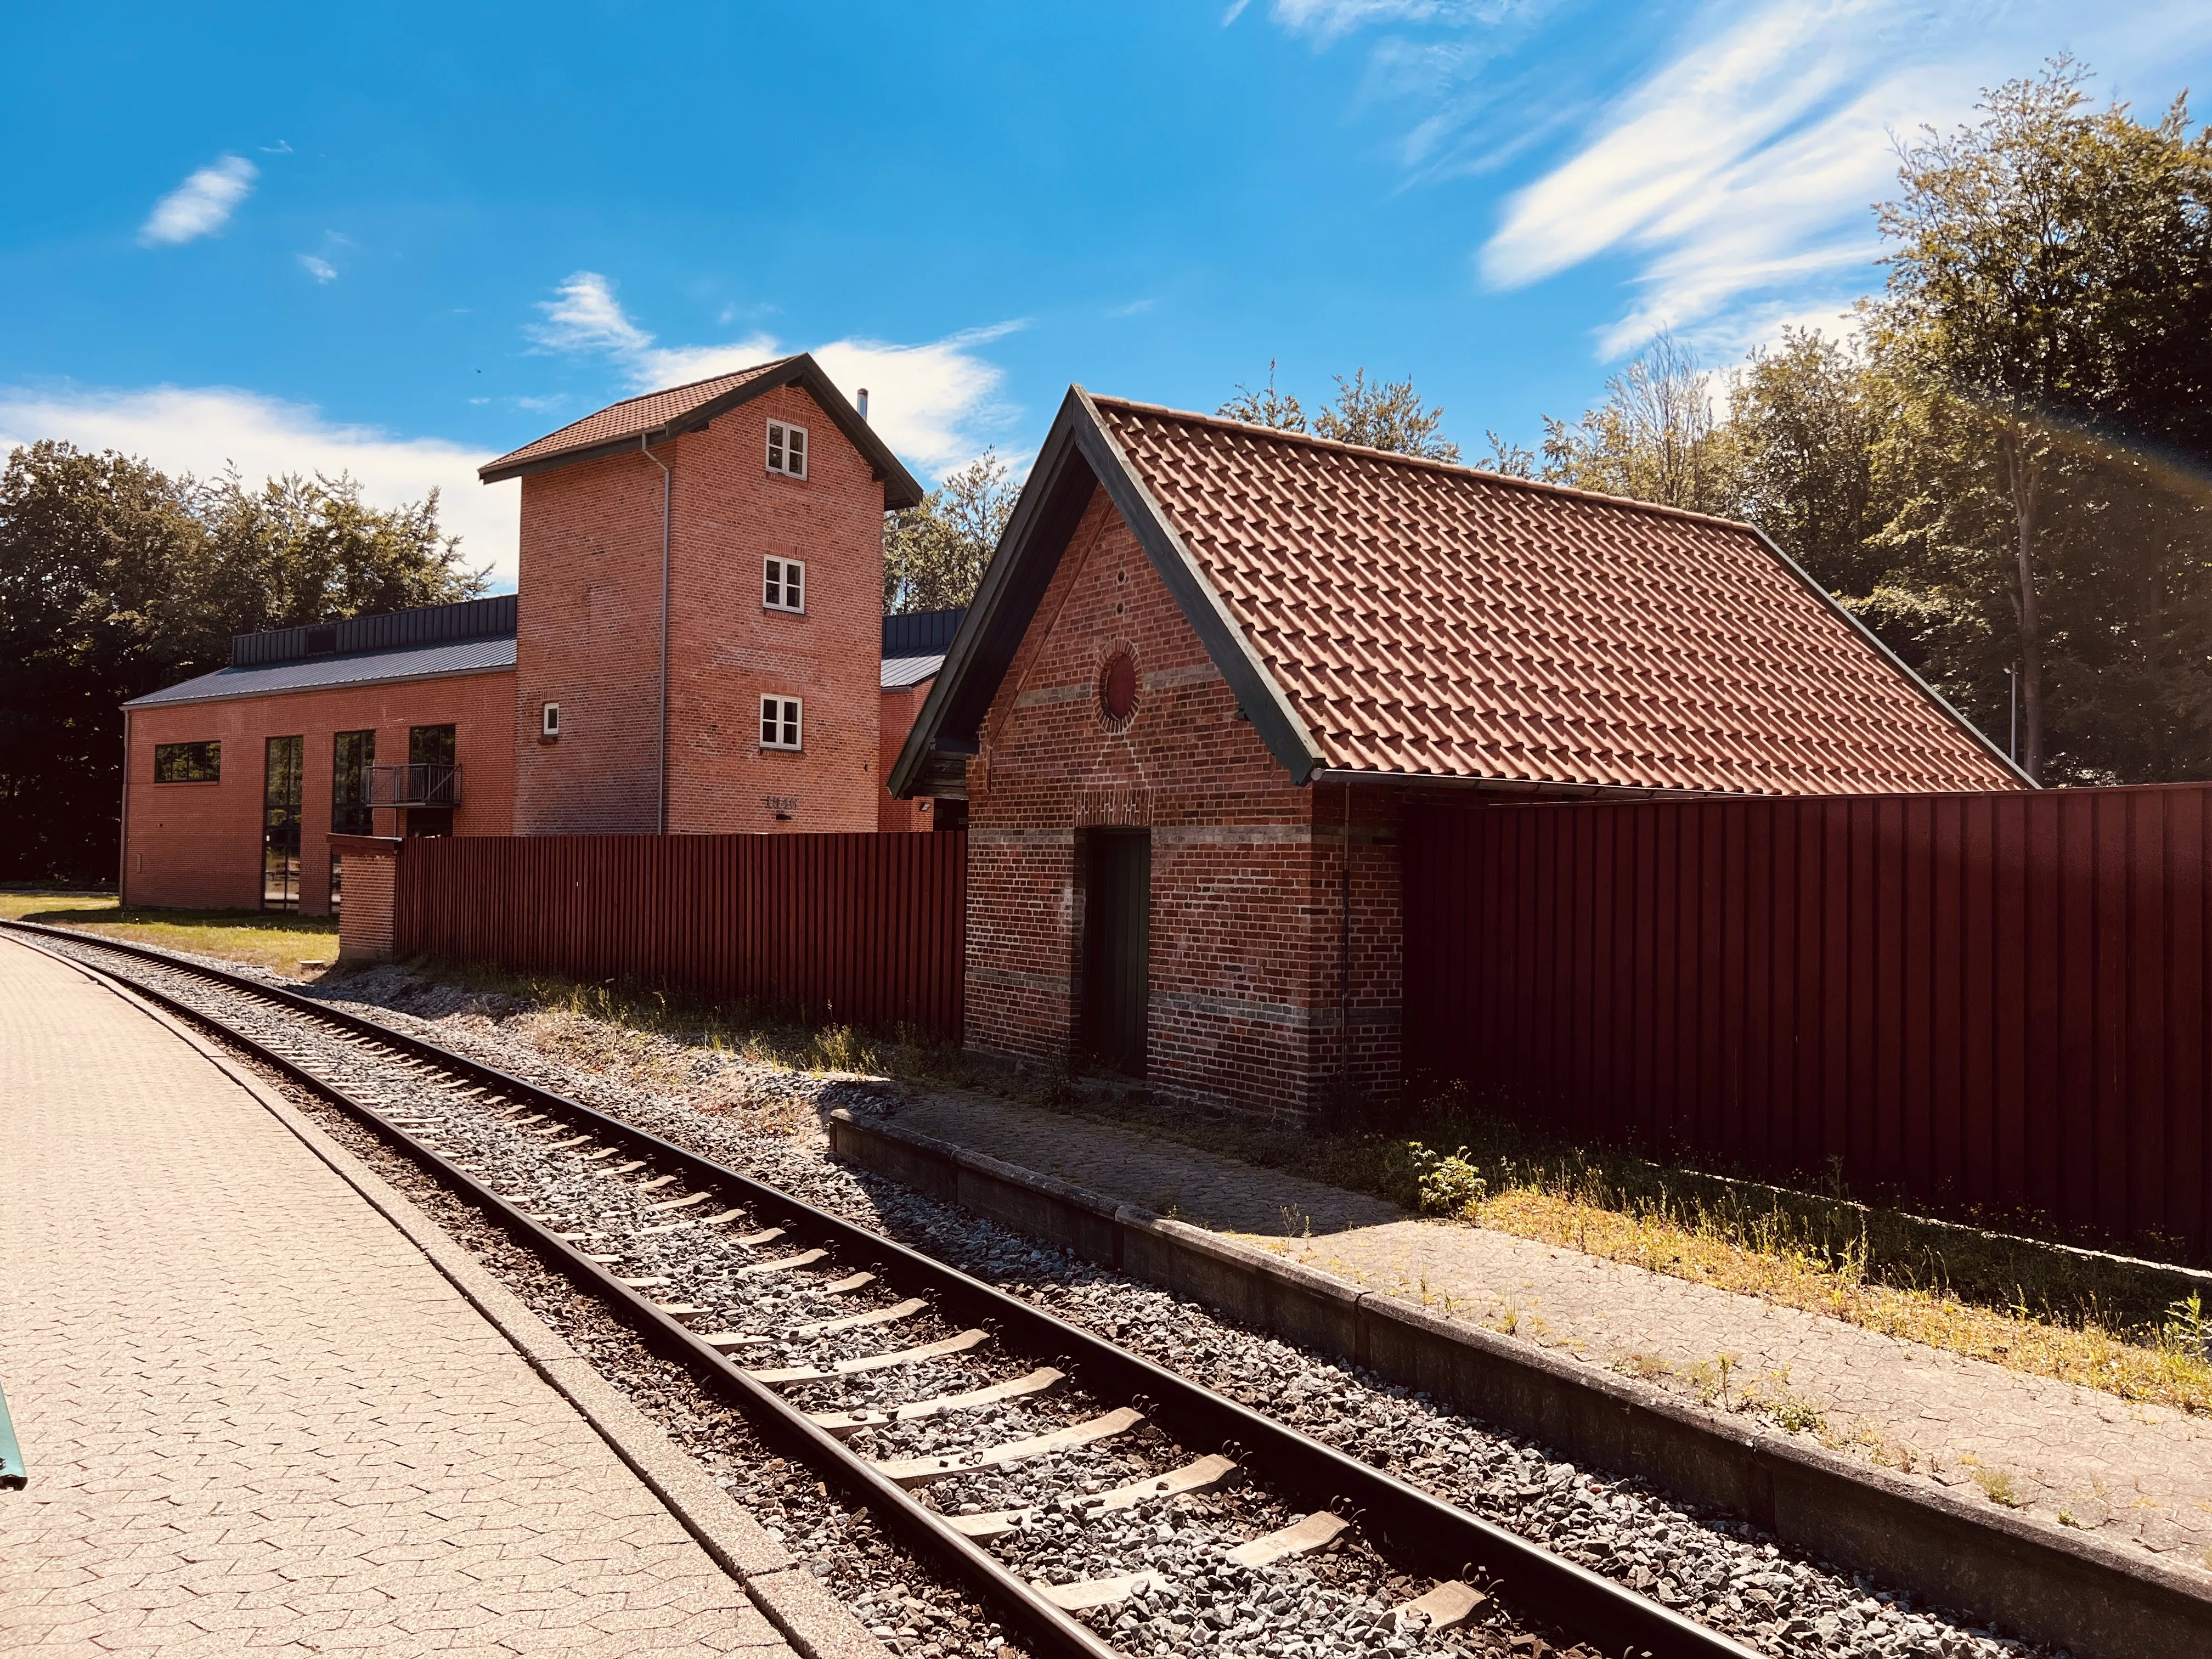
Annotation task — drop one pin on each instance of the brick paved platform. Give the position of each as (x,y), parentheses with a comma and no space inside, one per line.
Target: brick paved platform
(257,1419)
(2131,1472)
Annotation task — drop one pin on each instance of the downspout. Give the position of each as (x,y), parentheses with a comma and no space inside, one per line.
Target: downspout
(667,486)
(123,833)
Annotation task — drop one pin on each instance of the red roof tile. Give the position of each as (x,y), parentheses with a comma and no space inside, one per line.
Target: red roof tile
(1426,619)
(632,417)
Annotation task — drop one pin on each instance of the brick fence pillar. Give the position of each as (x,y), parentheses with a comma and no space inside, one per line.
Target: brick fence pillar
(370,887)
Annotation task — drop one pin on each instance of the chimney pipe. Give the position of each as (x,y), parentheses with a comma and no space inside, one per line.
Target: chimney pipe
(864,403)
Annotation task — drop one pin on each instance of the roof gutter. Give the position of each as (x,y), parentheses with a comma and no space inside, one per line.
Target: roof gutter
(1537,788)
(667,492)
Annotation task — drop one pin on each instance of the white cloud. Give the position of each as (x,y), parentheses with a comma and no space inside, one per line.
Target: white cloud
(321,270)
(584,315)
(201,429)
(1739,174)
(201,205)
(1736,172)
(926,400)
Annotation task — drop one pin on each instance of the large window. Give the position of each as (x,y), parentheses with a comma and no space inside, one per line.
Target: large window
(353,760)
(430,755)
(786,449)
(281,795)
(187,763)
(779,723)
(430,745)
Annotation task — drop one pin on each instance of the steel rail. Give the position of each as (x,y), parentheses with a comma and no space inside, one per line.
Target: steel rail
(1411,1529)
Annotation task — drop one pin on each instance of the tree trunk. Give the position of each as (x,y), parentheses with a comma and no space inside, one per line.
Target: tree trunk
(2022,471)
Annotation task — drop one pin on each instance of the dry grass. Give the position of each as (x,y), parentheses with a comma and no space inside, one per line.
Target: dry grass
(286,944)
(2020,1302)
(2157,1364)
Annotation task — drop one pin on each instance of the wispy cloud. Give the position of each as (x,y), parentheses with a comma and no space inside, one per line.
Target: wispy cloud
(321,270)
(930,401)
(202,429)
(1735,167)
(201,205)
(584,315)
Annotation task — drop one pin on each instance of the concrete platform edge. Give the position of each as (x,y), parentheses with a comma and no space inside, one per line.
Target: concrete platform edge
(817,1625)
(2077,1592)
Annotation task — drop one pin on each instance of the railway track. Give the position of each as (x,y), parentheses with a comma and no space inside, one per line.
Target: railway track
(1092,1500)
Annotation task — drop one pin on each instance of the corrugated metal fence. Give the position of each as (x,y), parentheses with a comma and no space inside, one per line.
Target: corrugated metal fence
(1990,1002)
(861,929)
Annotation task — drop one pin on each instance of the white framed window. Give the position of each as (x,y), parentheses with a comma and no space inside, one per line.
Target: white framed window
(783,584)
(782,723)
(548,721)
(786,449)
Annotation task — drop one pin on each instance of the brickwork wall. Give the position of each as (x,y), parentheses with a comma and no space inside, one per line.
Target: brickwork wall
(591,641)
(193,846)
(898,710)
(1248,908)
(365,918)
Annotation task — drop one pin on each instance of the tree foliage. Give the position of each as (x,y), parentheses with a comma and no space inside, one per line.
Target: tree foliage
(1379,415)
(1655,436)
(2011,471)
(116,580)
(935,554)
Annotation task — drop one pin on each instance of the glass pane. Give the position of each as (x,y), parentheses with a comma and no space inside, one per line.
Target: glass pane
(793,575)
(797,453)
(768,719)
(775,447)
(791,724)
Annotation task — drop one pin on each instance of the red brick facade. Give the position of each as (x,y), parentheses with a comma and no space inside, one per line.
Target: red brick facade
(898,710)
(199,845)
(1259,950)
(590,635)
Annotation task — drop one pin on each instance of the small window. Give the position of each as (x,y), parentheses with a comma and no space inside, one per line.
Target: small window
(549,721)
(786,449)
(779,723)
(188,763)
(784,586)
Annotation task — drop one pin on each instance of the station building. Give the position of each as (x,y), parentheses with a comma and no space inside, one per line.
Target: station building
(696,645)
(1214,666)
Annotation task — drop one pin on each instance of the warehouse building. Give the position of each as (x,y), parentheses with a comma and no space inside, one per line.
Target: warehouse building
(696,646)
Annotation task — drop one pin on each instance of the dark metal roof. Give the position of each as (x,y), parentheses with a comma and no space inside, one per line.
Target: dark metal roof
(388,630)
(918,633)
(656,416)
(420,662)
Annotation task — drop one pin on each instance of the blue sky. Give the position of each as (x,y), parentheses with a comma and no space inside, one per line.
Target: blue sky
(403,240)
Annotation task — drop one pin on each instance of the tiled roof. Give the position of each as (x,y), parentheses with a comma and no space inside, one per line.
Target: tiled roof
(904,673)
(423,662)
(1425,619)
(632,415)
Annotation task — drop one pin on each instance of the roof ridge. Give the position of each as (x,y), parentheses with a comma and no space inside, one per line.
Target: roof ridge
(682,386)
(1428,462)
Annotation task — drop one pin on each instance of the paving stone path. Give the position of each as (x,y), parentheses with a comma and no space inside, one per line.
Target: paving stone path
(2130,1472)
(256,1417)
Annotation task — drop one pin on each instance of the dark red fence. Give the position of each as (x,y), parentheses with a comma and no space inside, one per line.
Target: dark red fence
(1989,1002)
(861,929)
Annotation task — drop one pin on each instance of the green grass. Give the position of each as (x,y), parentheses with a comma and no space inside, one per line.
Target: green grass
(264,938)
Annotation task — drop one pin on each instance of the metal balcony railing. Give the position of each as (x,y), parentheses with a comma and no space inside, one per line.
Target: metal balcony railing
(416,784)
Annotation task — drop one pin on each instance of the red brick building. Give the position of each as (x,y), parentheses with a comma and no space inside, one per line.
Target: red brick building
(696,646)
(701,586)
(914,650)
(1212,665)
(235,782)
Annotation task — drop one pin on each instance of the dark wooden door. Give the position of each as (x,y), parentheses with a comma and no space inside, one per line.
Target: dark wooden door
(1117,935)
